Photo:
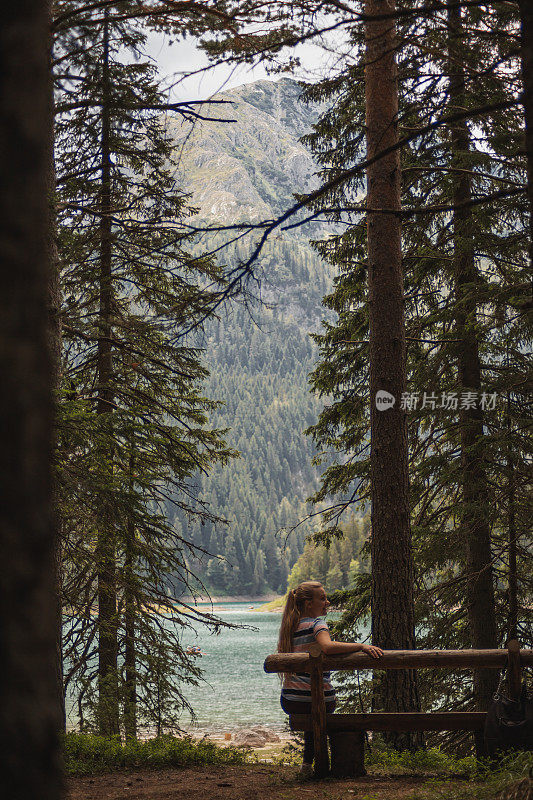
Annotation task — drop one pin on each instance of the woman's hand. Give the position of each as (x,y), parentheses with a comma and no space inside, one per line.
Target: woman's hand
(370,650)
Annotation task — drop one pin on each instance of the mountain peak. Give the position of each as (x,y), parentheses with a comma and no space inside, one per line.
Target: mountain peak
(250,168)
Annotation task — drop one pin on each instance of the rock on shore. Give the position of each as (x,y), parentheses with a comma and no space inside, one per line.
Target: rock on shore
(256,736)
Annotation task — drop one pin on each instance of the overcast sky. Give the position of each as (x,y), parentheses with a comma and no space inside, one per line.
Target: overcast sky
(184,56)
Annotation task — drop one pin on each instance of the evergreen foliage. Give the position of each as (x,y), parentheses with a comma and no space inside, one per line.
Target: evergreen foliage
(137,438)
(467,298)
(259,358)
(438,332)
(338,565)
(134,423)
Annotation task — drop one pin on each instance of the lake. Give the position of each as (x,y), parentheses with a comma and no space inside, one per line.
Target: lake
(237,691)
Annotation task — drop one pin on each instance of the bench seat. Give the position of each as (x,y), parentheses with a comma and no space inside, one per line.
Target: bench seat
(407,721)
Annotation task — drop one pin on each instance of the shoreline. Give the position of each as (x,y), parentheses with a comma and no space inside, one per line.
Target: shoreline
(233,737)
(238,598)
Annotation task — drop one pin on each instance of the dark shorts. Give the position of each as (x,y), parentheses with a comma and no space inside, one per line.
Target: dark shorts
(299,707)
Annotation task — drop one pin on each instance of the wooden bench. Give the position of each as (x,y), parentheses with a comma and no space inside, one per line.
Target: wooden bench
(346,731)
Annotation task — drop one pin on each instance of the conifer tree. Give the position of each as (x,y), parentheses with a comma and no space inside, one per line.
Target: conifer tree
(392,560)
(526,54)
(479,597)
(435,309)
(134,427)
(466,305)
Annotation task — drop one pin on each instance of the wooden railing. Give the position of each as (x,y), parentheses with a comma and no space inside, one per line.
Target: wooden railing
(316,662)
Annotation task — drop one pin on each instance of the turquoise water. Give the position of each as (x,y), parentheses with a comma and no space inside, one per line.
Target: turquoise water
(237,691)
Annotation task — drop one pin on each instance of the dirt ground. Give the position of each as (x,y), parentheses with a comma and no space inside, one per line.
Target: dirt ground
(250,782)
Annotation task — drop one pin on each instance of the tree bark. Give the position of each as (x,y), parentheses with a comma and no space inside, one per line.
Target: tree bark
(392,561)
(404,721)
(398,660)
(512,536)
(29,721)
(318,714)
(130,698)
(54,344)
(474,513)
(526,52)
(108,694)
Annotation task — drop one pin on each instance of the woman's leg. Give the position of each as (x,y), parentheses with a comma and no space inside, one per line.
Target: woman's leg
(309,747)
(296,707)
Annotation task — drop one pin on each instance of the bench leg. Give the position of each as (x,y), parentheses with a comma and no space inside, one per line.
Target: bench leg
(347,754)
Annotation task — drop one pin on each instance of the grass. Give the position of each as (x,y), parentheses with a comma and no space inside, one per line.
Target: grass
(274,605)
(380,761)
(486,783)
(88,754)
(448,777)
(433,761)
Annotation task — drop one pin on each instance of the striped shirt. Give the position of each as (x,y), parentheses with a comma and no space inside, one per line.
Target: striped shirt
(297,686)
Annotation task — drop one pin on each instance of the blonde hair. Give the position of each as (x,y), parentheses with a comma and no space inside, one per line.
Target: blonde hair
(294,608)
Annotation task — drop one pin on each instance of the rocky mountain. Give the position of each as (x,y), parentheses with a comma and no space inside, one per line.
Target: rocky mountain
(259,357)
(248,169)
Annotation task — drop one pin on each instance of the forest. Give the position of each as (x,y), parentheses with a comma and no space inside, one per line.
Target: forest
(326,377)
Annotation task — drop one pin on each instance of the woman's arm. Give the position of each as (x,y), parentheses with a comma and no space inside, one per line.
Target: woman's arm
(331,648)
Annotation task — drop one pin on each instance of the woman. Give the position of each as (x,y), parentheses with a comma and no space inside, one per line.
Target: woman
(301,626)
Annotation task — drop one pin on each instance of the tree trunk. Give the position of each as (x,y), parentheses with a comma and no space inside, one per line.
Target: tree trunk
(512,614)
(29,721)
(474,518)
(54,344)
(526,19)
(392,562)
(130,696)
(108,700)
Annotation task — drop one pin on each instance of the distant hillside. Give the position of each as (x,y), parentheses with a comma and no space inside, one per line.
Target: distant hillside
(259,359)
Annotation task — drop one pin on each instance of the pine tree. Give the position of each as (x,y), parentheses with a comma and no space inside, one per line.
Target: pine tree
(259,582)
(526,51)
(474,490)
(132,377)
(436,322)
(393,624)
